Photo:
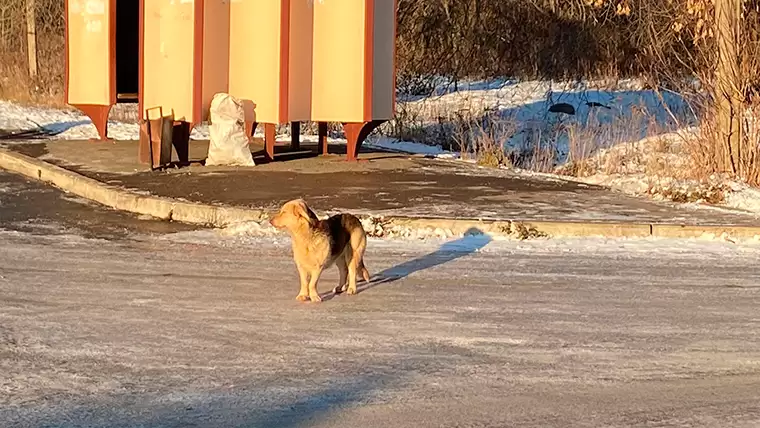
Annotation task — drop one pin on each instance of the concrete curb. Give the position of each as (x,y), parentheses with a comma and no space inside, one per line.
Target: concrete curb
(124,200)
(220,216)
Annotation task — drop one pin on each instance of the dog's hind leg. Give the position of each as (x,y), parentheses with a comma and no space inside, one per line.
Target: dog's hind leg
(352,277)
(356,265)
(364,272)
(343,269)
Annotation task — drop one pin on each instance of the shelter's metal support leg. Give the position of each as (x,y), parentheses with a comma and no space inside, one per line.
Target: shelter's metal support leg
(322,142)
(98,114)
(356,133)
(250,128)
(295,135)
(269,137)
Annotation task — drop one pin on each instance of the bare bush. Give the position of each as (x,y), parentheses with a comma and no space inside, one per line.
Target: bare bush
(729,93)
(537,39)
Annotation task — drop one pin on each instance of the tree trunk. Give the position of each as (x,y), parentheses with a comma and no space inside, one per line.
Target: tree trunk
(31,37)
(728,83)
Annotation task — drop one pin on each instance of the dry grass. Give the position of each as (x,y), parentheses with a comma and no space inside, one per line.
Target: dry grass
(709,153)
(485,138)
(521,231)
(709,193)
(411,123)
(15,81)
(16,85)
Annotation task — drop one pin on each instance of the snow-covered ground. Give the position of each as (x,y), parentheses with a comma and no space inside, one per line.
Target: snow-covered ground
(526,103)
(475,333)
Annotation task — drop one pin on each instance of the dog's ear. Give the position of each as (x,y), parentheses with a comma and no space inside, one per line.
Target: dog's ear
(303,210)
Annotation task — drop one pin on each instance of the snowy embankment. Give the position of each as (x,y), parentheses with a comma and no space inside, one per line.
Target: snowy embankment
(526,104)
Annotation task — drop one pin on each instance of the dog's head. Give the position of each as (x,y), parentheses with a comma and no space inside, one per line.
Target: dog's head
(294,214)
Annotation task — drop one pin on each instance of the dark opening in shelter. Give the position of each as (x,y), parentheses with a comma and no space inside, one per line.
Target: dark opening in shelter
(127,50)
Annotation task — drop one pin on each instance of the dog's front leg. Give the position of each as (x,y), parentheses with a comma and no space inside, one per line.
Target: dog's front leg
(303,293)
(313,294)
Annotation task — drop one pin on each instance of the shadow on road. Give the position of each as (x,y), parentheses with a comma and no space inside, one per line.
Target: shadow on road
(311,408)
(242,406)
(472,241)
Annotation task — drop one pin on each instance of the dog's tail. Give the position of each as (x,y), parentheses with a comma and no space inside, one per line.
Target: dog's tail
(364,271)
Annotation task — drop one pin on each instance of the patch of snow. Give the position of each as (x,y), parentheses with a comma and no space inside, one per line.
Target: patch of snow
(381,233)
(250,228)
(14,116)
(71,124)
(743,197)
(247,233)
(305,138)
(707,245)
(396,145)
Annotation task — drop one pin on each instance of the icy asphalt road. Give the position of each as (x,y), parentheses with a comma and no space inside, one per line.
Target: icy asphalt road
(109,321)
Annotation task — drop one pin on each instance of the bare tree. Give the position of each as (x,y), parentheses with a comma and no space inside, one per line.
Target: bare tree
(31,38)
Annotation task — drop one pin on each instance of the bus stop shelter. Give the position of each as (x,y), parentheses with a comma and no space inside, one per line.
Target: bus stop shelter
(278,56)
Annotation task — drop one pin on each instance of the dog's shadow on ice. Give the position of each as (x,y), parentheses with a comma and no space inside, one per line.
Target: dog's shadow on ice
(472,241)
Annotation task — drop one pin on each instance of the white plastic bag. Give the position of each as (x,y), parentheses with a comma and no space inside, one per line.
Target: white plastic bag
(229,143)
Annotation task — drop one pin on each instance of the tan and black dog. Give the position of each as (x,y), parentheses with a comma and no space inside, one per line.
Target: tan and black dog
(318,244)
